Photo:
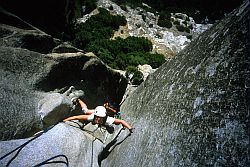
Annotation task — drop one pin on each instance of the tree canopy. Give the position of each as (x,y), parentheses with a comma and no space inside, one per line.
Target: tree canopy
(94,36)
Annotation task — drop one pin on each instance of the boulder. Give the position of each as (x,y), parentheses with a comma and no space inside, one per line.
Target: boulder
(19,71)
(65,48)
(27,77)
(146,70)
(53,108)
(63,143)
(86,72)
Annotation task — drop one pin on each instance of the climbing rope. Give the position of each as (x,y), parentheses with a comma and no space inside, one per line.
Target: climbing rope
(106,150)
(92,153)
(19,148)
(92,134)
(53,162)
(85,130)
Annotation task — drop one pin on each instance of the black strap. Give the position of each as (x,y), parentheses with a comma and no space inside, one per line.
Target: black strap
(19,148)
(53,162)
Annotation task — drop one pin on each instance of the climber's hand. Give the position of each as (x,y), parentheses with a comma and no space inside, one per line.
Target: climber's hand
(74,100)
(131,130)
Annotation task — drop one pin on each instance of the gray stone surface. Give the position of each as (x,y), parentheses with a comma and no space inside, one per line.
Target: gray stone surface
(53,108)
(194,110)
(80,148)
(19,71)
(26,77)
(65,48)
(31,39)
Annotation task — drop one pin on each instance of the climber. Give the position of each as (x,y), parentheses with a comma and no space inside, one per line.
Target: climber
(98,116)
(113,110)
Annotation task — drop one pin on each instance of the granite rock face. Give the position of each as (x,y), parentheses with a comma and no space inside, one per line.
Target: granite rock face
(194,110)
(27,77)
(32,67)
(53,108)
(62,143)
(35,71)
(19,71)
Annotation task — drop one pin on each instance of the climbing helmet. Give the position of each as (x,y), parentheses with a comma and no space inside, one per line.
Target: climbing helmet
(100,111)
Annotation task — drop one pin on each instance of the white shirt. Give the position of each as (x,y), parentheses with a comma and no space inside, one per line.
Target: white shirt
(109,121)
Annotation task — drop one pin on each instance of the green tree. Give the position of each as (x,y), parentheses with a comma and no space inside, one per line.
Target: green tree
(105,56)
(137,76)
(94,36)
(155,60)
(97,27)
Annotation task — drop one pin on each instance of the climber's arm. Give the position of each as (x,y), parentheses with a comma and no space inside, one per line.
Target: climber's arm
(124,123)
(78,117)
(84,107)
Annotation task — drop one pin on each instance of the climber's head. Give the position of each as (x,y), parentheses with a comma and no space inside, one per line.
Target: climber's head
(100,111)
(99,115)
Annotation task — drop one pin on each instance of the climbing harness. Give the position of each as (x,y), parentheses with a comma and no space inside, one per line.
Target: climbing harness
(19,148)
